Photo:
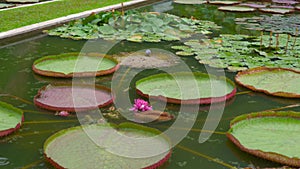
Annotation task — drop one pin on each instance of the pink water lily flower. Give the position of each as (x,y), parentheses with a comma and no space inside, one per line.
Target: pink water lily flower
(140,105)
(63,113)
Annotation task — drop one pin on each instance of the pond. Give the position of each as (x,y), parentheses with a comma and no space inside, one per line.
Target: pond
(19,84)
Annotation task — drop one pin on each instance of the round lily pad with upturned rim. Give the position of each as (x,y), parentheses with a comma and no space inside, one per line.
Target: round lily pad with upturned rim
(11,119)
(190,1)
(253,5)
(90,146)
(290,2)
(224,2)
(270,135)
(62,97)
(236,9)
(179,88)
(276,10)
(75,65)
(273,81)
(282,6)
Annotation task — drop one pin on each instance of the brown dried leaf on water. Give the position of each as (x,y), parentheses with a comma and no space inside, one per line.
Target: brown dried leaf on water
(153,116)
(157,58)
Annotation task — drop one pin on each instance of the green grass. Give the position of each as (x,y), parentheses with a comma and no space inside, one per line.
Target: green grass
(15,18)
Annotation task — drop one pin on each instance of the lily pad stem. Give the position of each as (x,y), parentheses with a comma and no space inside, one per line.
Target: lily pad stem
(270,40)
(277,41)
(261,38)
(213,159)
(287,43)
(296,34)
(113,15)
(122,4)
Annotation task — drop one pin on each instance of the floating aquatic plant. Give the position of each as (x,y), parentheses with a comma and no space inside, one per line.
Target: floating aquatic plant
(253,5)
(269,135)
(153,116)
(273,23)
(182,87)
(11,119)
(75,64)
(190,1)
(73,98)
(284,6)
(217,2)
(126,145)
(134,26)
(290,2)
(236,9)
(140,59)
(273,81)
(277,10)
(240,52)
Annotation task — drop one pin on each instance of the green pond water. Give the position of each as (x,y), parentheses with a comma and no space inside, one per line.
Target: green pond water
(18,84)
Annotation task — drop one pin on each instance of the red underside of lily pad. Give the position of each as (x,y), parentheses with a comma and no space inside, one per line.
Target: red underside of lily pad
(11,130)
(72,99)
(191,101)
(160,163)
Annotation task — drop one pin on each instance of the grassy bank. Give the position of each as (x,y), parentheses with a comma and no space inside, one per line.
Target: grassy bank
(15,18)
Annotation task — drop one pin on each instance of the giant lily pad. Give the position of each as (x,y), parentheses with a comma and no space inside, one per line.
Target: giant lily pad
(270,135)
(277,10)
(180,88)
(136,27)
(253,5)
(282,6)
(107,146)
(72,98)
(215,2)
(190,1)
(75,64)
(11,119)
(291,2)
(236,9)
(273,81)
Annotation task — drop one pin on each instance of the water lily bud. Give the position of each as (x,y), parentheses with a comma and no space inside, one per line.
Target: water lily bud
(63,113)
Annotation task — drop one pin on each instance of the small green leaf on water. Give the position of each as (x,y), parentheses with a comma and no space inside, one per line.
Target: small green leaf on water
(184,53)
(107,30)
